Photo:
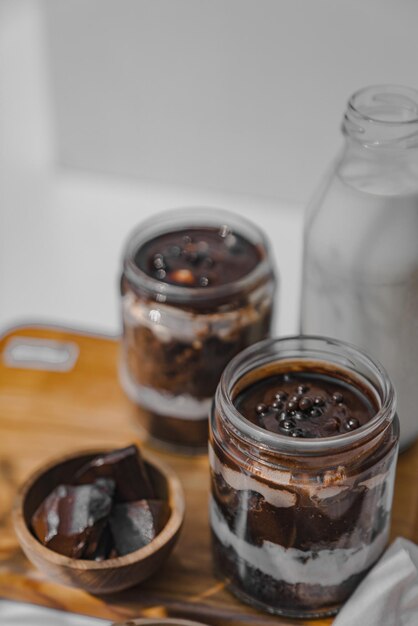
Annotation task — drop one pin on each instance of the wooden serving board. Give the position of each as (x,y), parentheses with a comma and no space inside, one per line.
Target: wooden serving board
(46,413)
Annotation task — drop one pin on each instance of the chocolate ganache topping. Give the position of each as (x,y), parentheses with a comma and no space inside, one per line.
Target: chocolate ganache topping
(306,404)
(198,257)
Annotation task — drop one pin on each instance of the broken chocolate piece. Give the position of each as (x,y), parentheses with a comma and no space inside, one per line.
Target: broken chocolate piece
(126,467)
(71,520)
(135,524)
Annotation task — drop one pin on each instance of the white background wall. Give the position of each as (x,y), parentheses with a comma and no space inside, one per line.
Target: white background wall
(243,95)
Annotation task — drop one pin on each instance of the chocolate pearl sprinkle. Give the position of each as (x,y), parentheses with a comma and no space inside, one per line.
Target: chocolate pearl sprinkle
(158,262)
(203,281)
(305,403)
(260,409)
(352,423)
(281,395)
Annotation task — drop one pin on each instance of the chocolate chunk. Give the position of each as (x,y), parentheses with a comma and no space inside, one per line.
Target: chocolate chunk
(126,467)
(71,520)
(135,524)
(260,409)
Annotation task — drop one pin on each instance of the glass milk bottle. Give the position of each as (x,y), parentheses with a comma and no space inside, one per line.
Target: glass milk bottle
(360,281)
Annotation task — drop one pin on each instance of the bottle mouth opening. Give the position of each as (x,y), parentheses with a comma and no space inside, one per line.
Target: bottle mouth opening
(386,104)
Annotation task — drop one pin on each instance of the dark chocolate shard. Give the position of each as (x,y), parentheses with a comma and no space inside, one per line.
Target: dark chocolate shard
(135,524)
(126,467)
(71,519)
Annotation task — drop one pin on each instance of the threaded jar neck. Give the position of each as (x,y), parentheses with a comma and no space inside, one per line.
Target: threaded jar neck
(210,297)
(383,116)
(309,349)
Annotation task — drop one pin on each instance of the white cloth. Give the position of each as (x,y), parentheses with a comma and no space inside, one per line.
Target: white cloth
(19,614)
(388,596)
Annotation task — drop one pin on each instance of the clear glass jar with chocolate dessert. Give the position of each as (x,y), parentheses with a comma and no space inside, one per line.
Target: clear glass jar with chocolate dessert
(198,286)
(303,447)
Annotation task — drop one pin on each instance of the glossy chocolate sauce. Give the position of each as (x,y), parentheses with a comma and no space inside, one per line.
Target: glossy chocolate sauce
(306,404)
(198,257)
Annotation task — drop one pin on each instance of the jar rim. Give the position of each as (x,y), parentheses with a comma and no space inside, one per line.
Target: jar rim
(195,216)
(321,346)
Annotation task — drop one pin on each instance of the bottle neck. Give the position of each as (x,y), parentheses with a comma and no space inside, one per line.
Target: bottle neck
(381,150)
(383,117)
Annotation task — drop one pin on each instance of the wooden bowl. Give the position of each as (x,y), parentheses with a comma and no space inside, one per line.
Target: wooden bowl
(97,576)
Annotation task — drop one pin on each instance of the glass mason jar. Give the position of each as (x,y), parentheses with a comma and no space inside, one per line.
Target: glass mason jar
(177,339)
(297,522)
(360,280)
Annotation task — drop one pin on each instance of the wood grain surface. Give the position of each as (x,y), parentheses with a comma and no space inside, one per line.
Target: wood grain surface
(47,413)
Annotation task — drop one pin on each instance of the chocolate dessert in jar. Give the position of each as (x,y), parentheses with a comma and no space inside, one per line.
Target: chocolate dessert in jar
(303,447)
(198,286)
